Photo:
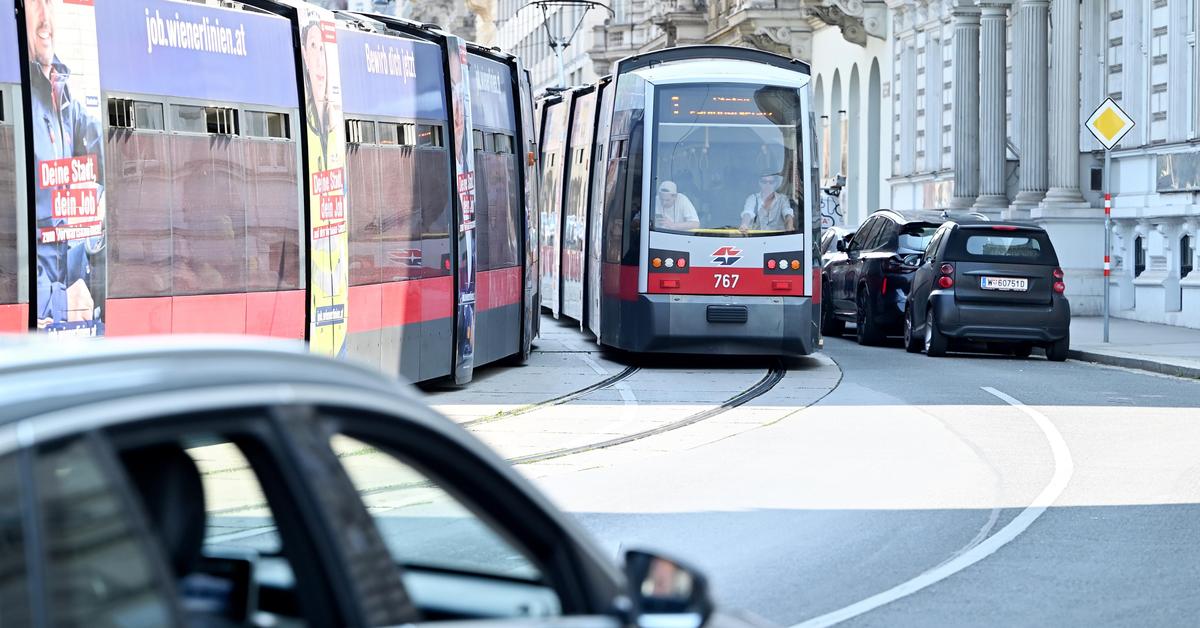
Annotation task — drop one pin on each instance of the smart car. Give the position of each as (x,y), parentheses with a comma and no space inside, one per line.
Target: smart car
(984,282)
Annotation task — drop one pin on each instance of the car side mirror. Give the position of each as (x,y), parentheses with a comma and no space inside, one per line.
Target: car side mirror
(663,586)
(842,245)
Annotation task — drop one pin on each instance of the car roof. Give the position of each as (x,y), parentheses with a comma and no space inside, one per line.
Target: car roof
(933,216)
(39,375)
(1002,224)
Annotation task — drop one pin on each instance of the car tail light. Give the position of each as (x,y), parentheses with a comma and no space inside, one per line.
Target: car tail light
(1004,227)
(1058,274)
(946,269)
(945,282)
(883,286)
(446,263)
(1060,287)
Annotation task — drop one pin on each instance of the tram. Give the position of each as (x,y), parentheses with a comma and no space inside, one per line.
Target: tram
(364,183)
(678,204)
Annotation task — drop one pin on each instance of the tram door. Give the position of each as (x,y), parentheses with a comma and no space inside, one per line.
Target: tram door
(574,222)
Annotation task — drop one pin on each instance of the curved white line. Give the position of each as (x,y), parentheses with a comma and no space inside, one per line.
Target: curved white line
(1064,467)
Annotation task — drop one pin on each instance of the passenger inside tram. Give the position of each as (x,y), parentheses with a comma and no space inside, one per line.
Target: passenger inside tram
(674,211)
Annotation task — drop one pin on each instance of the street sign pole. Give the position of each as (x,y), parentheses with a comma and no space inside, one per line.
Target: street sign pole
(1107,237)
(1108,124)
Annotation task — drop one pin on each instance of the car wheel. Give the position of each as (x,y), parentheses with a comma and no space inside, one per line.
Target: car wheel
(831,325)
(1057,351)
(935,342)
(1022,350)
(912,342)
(866,331)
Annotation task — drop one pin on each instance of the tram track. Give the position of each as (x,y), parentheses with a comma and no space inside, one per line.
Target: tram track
(559,400)
(773,376)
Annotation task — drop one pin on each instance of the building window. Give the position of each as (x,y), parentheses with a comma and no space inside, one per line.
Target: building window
(1186,255)
(1139,256)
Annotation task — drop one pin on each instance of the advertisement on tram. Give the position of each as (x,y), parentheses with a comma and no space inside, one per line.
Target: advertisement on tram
(10,71)
(329,255)
(464,163)
(68,173)
(14,306)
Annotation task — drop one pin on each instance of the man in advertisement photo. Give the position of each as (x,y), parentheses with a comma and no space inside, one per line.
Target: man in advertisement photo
(68,151)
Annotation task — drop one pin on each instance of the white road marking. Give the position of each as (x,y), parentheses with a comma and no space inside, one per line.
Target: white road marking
(600,370)
(1064,467)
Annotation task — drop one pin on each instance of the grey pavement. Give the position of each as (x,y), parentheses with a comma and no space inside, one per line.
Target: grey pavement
(1162,349)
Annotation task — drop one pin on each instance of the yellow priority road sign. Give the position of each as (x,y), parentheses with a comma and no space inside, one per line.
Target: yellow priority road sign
(1109,123)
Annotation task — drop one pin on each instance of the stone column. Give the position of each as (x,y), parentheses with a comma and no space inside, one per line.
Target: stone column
(1030,67)
(1064,110)
(966,106)
(993,136)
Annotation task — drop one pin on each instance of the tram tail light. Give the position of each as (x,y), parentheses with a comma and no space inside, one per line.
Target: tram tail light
(771,264)
(657,263)
(682,263)
(668,284)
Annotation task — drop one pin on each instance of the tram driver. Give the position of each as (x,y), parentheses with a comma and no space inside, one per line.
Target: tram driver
(674,211)
(768,209)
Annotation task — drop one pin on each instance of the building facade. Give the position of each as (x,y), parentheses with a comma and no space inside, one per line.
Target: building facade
(980,106)
(525,30)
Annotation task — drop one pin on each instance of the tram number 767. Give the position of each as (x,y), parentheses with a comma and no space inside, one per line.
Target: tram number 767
(722,280)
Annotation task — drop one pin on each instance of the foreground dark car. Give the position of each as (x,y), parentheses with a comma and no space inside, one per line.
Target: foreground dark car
(207,483)
(995,283)
(868,284)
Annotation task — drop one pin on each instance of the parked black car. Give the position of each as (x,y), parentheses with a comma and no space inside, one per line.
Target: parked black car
(241,483)
(868,283)
(995,283)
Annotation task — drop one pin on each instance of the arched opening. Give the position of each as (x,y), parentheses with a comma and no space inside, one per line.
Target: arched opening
(836,114)
(1139,256)
(874,141)
(854,148)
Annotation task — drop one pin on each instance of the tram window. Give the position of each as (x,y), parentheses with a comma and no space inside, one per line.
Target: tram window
(188,119)
(389,133)
(477,139)
(729,153)
(429,135)
(267,124)
(221,120)
(3,108)
(360,131)
(120,113)
(148,116)
(503,143)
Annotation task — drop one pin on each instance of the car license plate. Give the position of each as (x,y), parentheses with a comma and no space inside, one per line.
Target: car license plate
(1013,284)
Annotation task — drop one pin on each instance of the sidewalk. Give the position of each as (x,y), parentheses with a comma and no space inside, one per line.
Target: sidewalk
(1159,348)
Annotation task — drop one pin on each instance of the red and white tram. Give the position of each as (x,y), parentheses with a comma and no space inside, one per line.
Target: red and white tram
(678,204)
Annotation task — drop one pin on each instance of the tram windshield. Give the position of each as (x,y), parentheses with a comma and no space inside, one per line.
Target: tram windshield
(725,160)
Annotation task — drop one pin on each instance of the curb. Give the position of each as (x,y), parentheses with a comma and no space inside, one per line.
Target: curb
(1141,364)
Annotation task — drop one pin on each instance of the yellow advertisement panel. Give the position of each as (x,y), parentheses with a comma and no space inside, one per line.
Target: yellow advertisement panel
(328,262)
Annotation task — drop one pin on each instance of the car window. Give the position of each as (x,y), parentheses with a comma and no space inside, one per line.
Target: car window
(100,568)
(934,243)
(865,234)
(238,516)
(1003,246)
(916,237)
(14,580)
(826,239)
(422,524)
(883,235)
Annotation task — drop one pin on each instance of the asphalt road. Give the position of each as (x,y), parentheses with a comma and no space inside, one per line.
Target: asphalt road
(966,490)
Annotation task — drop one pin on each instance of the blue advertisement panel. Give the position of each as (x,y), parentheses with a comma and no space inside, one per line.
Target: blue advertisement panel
(10,71)
(190,50)
(390,76)
(492,95)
